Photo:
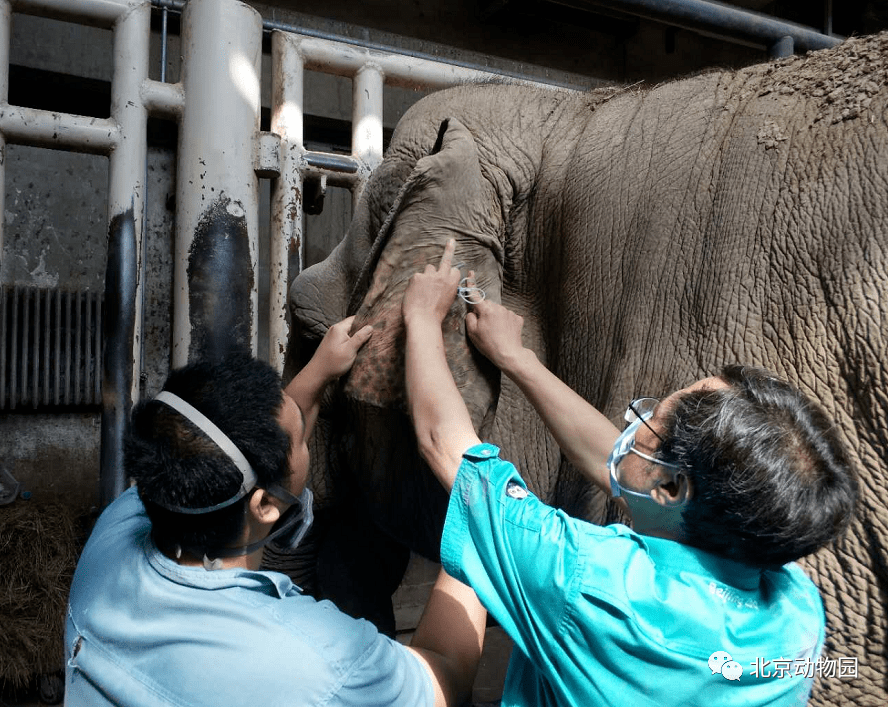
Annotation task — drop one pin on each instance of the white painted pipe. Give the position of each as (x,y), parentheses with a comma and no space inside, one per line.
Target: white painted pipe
(399,70)
(166,99)
(100,13)
(287,104)
(42,128)
(222,47)
(127,167)
(367,115)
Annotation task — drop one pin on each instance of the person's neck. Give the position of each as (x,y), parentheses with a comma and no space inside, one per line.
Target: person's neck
(245,562)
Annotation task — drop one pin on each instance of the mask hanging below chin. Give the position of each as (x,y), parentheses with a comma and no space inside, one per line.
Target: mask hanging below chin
(285,535)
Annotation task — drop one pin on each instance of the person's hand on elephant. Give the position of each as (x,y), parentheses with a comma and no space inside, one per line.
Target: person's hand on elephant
(496,332)
(431,293)
(334,356)
(338,349)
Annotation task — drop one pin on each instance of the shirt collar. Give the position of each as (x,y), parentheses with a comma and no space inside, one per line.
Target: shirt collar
(267,582)
(669,553)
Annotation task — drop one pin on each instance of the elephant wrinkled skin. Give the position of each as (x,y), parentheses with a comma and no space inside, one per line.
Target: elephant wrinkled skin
(647,237)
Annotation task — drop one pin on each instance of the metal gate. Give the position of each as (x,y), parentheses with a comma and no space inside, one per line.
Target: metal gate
(221,157)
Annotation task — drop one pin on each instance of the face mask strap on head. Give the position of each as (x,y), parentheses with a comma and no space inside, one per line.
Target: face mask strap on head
(222,441)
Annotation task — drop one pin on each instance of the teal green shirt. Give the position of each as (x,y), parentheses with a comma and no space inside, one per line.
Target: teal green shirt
(604,616)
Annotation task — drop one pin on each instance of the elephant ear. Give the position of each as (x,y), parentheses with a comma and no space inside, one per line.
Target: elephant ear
(445,196)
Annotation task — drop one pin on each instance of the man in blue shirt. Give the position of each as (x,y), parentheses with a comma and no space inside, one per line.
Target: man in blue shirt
(727,482)
(168,605)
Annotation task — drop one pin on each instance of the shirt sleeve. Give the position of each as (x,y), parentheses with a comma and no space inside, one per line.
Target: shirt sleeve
(386,674)
(518,554)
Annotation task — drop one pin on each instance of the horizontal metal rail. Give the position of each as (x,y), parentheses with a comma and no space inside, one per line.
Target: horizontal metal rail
(432,79)
(723,20)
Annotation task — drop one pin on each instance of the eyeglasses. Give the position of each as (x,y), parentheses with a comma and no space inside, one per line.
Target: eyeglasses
(643,409)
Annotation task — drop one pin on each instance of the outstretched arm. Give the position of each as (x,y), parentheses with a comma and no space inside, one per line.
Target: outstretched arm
(450,635)
(449,639)
(585,435)
(335,356)
(443,425)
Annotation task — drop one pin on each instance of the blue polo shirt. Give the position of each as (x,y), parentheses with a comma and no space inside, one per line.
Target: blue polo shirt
(144,631)
(604,616)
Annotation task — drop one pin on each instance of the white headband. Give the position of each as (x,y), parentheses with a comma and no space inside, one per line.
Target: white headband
(222,441)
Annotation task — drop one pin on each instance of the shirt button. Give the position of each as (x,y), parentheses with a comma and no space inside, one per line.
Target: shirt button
(486,452)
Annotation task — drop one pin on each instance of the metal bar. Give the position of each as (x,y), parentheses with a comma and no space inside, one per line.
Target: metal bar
(367,115)
(35,352)
(163,45)
(5,338)
(329,162)
(423,72)
(87,350)
(98,13)
(14,349)
(66,391)
(42,128)
(167,99)
(26,333)
(58,346)
(729,22)
(286,191)
(77,398)
(47,341)
(5,30)
(400,69)
(127,169)
(215,285)
(783,47)
(97,386)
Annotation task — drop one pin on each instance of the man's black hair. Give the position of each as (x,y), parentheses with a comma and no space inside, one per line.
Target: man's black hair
(174,463)
(771,481)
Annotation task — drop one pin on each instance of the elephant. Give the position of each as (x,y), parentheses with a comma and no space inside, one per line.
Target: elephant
(647,235)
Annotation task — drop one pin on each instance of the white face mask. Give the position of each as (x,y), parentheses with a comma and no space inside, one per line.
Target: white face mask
(648,515)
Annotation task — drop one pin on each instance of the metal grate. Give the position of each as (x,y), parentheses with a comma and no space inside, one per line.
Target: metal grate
(50,348)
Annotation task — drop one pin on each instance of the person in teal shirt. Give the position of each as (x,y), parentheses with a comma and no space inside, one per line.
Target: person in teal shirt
(727,482)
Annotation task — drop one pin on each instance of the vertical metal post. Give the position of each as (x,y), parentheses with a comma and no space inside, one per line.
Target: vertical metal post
(122,362)
(5,31)
(215,293)
(286,195)
(164,38)
(783,47)
(367,115)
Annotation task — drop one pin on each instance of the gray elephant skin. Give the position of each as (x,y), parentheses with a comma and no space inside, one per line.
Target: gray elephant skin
(647,237)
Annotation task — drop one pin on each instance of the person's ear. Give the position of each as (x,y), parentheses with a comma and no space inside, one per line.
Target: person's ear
(672,489)
(263,507)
